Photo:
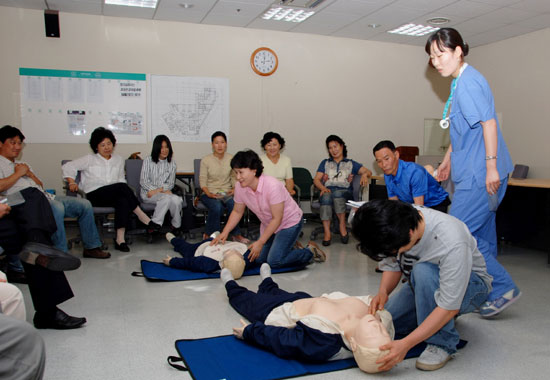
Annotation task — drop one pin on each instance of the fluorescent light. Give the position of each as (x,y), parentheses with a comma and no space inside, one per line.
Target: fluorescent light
(413,30)
(286,14)
(134,3)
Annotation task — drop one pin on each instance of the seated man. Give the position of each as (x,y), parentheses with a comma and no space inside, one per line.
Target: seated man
(447,276)
(206,258)
(408,181)
(17,176)
(32,221)
(299,326)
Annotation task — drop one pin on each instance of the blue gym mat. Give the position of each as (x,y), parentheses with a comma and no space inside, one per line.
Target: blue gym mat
(155,271)
(228,358)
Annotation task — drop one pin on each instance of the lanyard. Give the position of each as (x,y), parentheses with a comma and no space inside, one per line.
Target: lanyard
(444,123)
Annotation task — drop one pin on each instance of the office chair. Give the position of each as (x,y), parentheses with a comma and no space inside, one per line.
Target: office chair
(357,191)
(101,214)
(133,175)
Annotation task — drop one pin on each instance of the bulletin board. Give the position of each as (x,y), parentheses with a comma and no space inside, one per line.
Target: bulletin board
(65,106)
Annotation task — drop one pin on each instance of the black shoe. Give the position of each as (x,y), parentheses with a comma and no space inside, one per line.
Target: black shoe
(326,243)
(344,239)
(152,227)
(48,257)
(122,247)
(17,277)
(59,321)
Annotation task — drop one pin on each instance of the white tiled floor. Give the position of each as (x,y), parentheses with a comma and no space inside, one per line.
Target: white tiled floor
(133,324)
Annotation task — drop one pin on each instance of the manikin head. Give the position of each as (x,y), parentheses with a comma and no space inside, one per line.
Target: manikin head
(371,332)
(234,261)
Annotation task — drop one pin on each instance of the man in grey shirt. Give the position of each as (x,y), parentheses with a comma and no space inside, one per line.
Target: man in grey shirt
(446,276)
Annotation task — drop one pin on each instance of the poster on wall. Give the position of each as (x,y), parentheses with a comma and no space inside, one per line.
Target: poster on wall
(65,106)
(189,109)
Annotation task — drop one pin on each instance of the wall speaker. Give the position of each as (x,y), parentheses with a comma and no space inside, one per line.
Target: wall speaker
(51,20)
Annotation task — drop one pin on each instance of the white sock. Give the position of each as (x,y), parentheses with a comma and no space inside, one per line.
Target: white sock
(170,236)
(226,275)
(265,271)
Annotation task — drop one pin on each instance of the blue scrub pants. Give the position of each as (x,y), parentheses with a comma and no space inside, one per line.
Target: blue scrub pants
(472,207)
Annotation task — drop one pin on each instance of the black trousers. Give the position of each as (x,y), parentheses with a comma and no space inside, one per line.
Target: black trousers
(118,195)
(34,217)
(48,289)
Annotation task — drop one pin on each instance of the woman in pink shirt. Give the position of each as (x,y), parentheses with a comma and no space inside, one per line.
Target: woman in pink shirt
(280,216)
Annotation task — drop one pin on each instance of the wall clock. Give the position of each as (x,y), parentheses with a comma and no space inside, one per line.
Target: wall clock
(264,61)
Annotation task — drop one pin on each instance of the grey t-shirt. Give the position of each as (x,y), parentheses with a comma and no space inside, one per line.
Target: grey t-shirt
(448,243)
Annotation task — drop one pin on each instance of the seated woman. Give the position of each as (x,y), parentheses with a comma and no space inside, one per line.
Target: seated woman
(102,179)
(205,258)
(216,181)
(334,177)
(276,164)
(313,329)
(280,216)
(158,176)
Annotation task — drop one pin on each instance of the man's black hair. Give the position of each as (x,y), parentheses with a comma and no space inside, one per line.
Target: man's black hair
(9,132)
(383,226)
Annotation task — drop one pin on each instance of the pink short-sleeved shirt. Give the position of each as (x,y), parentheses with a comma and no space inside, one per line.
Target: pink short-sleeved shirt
(270,191)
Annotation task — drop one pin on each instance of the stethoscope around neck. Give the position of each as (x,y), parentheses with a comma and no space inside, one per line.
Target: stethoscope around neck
(445,121)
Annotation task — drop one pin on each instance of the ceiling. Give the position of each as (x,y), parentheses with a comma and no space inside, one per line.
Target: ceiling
(479,21)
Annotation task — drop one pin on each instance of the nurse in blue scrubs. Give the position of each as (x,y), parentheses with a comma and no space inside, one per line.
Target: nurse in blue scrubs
(477,159)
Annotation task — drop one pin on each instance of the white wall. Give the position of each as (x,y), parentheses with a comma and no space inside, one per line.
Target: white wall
(363,91)
(518,72)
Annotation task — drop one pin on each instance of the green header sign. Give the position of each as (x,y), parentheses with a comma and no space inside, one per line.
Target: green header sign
(80,74)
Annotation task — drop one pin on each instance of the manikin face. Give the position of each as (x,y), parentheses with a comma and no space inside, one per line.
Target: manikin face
(336,150)
(447,62)
(246,176)
(105,148)
(387,160)
(219,145)
(371,333)
(11,148)
(164,151)
(272,148)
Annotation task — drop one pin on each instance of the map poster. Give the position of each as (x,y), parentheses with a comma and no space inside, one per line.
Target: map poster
(189,109)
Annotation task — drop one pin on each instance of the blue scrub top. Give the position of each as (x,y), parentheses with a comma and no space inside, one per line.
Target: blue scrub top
(472,104)
(412,180)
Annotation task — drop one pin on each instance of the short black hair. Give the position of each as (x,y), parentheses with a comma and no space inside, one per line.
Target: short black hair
(270,136)
(383,226)
(247,159)
(157,146)
(383,144)
(339,141)
(98,135)
(216,134)
(9,132)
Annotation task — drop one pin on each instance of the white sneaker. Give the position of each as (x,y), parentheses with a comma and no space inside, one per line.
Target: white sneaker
(265,271)
(226,275)
(433,357)
(170,236)
(215,234)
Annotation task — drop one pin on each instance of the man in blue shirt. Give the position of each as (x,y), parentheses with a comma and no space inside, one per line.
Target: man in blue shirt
(408,181)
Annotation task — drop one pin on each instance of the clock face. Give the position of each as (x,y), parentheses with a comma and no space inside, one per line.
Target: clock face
(264,61)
